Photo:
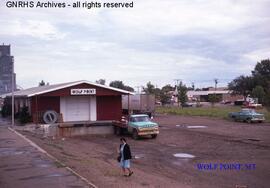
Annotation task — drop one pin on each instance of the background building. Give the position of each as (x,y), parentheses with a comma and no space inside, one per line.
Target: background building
(6,70)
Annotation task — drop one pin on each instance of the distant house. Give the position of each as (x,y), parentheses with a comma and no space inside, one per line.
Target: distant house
(222,94)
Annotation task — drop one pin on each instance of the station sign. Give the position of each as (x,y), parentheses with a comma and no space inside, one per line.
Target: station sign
(85,91)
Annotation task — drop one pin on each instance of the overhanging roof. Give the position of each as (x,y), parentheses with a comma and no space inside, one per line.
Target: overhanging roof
(194,93)
(49,88)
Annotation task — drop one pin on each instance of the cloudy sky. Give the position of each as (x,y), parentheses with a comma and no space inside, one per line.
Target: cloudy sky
(157,41)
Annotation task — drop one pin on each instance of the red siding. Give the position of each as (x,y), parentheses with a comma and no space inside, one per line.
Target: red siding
(45,103)
(99,91)
(109,108)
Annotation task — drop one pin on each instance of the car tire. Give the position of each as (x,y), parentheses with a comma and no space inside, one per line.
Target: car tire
(260,121)
(117,131)
(234,118)
(248,120)
(135,135)
(153,136)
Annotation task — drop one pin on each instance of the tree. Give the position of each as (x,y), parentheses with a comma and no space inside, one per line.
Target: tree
(262,69)
(24,115)
(258,92)
(242,85)
(261,74)
(149,89)
(41,83)
(167,88)
(101,81)
(182,94)
(213,98)
(246,85)
(120,85)
(165,97)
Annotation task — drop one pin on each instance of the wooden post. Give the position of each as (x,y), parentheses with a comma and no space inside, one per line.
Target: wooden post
(128,105)
(36,119)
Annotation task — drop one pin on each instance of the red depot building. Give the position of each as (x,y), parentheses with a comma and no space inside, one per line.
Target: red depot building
(73,101)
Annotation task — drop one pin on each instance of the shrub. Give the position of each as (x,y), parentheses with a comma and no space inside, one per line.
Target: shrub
(24,116)
(6,110)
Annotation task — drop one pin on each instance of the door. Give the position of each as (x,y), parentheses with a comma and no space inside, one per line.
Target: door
(78,108)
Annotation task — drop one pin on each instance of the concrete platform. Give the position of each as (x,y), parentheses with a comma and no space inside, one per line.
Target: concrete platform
(24,166)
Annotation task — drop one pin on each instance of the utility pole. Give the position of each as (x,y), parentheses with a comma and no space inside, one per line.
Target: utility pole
(216,82)
(193,86)
(177,81)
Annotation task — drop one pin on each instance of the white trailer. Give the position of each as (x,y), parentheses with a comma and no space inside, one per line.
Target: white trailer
(139,103)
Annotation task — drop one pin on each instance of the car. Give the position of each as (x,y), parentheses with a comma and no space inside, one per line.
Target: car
(247,115)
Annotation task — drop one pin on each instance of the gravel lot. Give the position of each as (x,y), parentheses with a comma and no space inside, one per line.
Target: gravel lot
(239,154)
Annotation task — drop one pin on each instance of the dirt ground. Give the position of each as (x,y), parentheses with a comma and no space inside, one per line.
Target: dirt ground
(222,143)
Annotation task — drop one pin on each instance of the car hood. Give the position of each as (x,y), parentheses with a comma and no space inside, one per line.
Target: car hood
(144,124)
(257,114)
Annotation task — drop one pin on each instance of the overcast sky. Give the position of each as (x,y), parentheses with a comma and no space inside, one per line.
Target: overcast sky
(157,41)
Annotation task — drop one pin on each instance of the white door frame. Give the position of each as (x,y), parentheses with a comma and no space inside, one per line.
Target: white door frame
(92,107)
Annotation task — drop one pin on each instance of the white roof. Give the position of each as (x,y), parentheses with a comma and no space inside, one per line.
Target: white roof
(49,88)
(193,93)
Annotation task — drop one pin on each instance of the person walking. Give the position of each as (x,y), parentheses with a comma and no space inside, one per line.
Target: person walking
(125,156)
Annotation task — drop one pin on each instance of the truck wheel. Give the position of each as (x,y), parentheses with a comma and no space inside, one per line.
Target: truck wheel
(135,135)
(153,135)
(117,131)
(249,120)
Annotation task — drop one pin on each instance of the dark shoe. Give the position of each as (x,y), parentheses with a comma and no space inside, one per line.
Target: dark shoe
(130,173)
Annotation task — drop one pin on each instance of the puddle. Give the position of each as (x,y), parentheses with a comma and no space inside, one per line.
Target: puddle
(254,140)
(139,156)
(180,162)
(43,165)
(10,151)
(46,176)
(183,155)
(172,145)
(7,141)
(162,127)
(196,127)
(20,168)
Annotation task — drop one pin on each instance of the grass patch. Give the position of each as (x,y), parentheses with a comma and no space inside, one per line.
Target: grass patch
(217,112)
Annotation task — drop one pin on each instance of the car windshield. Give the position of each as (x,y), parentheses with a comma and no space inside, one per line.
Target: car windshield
(140,119)
(246,111)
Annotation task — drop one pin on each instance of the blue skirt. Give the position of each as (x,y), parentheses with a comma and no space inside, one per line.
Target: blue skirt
(125,163)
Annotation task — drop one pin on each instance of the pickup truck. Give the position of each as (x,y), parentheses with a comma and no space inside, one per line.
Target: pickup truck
(137,125)
(247,115)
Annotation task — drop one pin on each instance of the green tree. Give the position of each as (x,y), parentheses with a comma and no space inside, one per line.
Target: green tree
(262,69)
(24,115)
(242,85)
(149,89)
(182,93)
(101,81)
(120,85)
(165,97)
(258,92)
(213,98)
(41,83)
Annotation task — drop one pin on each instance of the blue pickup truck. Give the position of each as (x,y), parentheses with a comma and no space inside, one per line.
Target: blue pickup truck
(137,125)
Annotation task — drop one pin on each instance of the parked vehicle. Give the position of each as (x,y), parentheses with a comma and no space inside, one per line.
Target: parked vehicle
(139,104)
(137,125)
(247,115)
(187,104)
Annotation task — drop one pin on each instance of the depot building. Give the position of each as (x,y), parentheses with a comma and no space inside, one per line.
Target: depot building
(73,101)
